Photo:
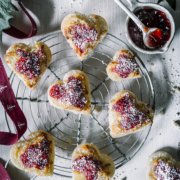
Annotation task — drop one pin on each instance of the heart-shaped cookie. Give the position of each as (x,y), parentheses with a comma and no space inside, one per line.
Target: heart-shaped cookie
(89,164)
(163,167)
(123,66)
(84,32)
(127,114)
(35,154)
(72,93)
(29,62)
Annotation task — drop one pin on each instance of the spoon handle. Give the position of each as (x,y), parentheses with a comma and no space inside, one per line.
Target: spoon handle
(132,2)
(130,14)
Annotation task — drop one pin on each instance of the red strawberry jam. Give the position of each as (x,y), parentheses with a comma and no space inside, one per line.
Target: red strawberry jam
(72,92)
(165,171)
(126,65)
(88,166)
(82,35)
(130,113)
(36,155)
(151,18)
(29,63)
(154,38)
(57,91)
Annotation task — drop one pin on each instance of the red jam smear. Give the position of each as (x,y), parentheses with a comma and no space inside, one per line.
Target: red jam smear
(83,35)
(29,63)
(130,113)
(164,171)
(36,155)
(88,166)
(72,92)
(151,18)
(125,66)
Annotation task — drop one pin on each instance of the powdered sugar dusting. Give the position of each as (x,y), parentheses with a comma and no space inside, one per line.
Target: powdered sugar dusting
(29,63)
(82,35)
(36,155)
(126,65)
(70,93)
(130,112)
(164,171)
(86,165)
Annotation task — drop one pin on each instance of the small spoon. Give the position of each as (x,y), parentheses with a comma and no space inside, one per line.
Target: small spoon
(150,35)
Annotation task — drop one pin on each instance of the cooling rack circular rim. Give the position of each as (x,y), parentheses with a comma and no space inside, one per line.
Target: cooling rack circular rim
(45,37)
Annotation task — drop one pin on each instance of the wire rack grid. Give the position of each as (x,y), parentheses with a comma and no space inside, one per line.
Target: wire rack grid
(70,129)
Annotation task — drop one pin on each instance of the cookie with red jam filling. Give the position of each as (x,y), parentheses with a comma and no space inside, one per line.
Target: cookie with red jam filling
(72,93)
(29,62)
(123,66)
(127,114)
(89,164)
(84,32)
(163,167)
(35,154)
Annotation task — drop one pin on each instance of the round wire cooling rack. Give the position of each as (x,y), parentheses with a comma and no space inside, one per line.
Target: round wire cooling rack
(70,129)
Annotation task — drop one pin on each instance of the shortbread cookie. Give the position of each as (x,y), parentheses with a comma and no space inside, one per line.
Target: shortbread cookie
(88,163)
(73,93)
(163,167)
(29,62)
(123,66)
(127,114)
(35,154)
(84,32)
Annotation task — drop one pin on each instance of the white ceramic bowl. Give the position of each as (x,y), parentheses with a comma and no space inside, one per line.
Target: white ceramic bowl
(169,16)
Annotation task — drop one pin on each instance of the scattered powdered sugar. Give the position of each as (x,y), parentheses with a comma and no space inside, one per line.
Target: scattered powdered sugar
(88,166)
(164,171)
(83,35)
(71,93)
(125,66)
(130,112)
(29,63)
(36,155)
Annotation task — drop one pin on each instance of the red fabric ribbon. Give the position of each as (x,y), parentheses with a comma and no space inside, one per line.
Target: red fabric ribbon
(3,173)
(12,108)
(13,31)
(7,96)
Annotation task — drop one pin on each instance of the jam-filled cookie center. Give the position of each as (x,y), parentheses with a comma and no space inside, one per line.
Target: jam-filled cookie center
(29,63)
(88,166)
(125,66)
(164,170)
(71,93)
(82,35)
(37,155)
(132,114)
